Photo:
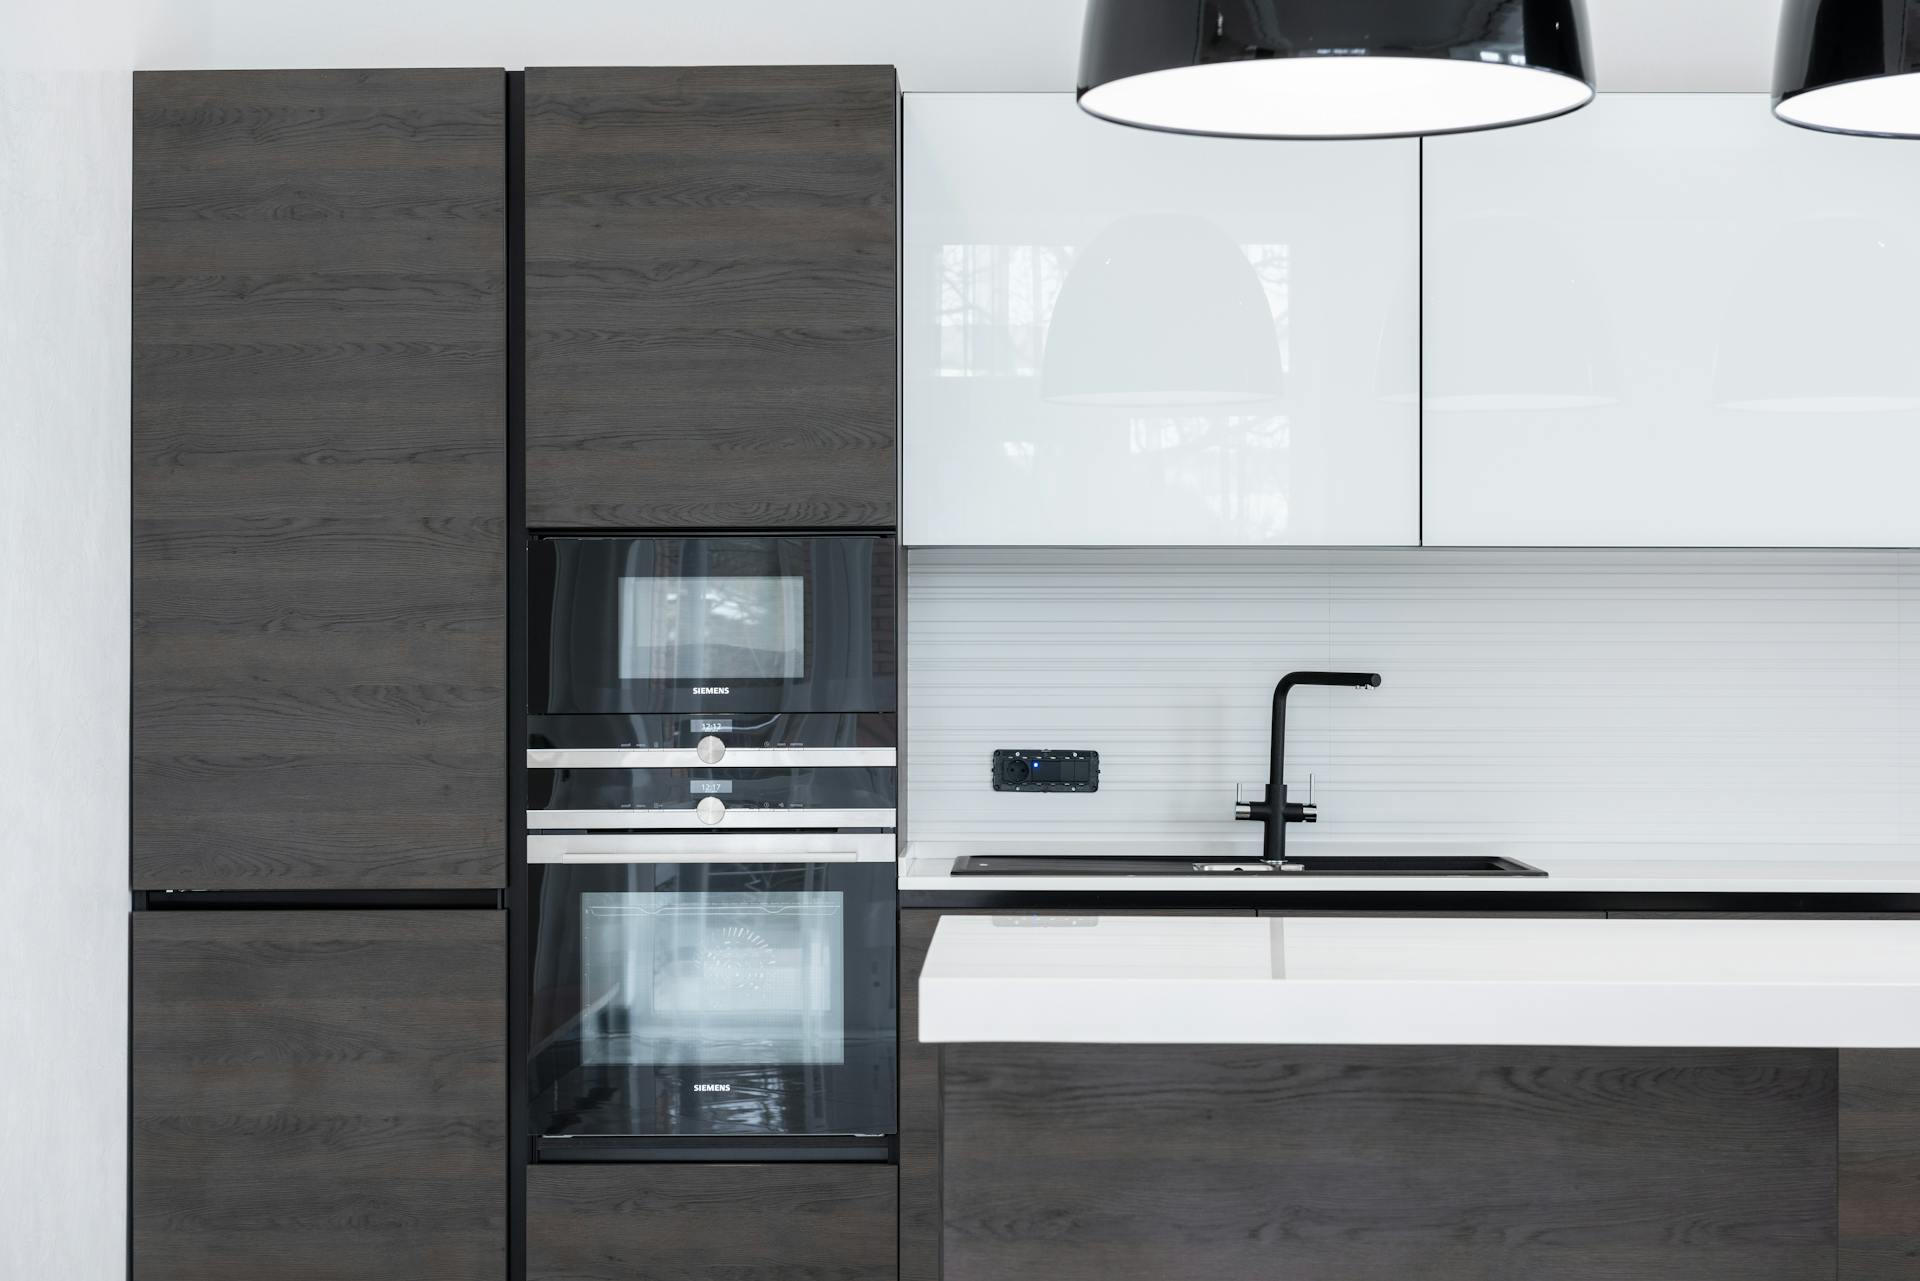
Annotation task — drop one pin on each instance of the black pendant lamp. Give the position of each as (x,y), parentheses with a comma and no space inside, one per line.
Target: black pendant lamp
(1849,66)
(1333,68)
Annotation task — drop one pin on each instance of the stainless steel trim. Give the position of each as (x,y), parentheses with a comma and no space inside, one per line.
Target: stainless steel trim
(703,757)
(689,819)
(727,847)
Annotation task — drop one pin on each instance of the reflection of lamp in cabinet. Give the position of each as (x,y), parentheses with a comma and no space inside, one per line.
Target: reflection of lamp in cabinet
(1820,325)
(1540,339)
(1161,310)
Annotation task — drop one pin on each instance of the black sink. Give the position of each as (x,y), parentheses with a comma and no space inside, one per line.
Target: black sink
(1304,865)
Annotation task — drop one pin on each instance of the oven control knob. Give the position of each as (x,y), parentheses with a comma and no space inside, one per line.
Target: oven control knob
(711,810)
(710,750)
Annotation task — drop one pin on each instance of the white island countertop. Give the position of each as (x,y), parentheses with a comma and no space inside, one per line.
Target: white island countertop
(1031,977)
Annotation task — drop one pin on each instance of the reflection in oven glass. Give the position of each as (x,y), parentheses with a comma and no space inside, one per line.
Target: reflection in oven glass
(714,628)
(735,979)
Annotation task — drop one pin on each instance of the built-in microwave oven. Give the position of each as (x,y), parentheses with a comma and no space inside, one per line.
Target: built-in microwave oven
(766,629)
(726,682)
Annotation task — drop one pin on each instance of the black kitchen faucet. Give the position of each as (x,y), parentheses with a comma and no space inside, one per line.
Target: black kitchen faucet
(1276,811)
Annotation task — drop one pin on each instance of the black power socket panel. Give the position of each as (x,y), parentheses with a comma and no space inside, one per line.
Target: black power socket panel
(1045,771)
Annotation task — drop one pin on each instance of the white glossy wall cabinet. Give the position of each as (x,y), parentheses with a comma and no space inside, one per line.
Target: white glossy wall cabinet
(1668,320)
(1114,336)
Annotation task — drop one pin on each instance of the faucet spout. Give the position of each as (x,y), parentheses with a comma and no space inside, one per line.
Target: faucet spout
(1276,812)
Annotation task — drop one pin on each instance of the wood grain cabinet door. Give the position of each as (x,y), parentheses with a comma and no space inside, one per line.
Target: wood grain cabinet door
(921,1157)
(319,479)
(319,1096)
(674,1222)
(711,297)
(1375,1163)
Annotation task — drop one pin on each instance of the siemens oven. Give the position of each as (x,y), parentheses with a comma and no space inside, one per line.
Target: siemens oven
(640,627)
(735,682)
(712,995)
(711,800)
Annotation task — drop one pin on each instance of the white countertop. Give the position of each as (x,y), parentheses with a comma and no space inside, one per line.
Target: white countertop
(1422,981)
(1716,869)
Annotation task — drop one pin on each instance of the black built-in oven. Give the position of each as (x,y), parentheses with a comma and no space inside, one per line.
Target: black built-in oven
(743,626)
(711,797)
(712,996)
(737,682)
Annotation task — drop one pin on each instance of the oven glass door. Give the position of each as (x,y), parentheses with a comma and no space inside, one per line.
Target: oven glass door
(677,999)
(725,624)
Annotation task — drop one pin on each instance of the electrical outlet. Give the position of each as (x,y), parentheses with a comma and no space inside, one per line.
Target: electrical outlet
(1045,770)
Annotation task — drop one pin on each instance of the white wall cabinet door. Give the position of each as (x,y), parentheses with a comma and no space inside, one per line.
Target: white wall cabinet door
(1670,320)
(1119,337)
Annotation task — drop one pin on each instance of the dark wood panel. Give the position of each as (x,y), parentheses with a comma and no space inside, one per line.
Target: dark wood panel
(319,479)
(678,1222)
(1159,1163)
(920,1157)
(352,720)
(919,1109)
(253,846)
(711,297)
(244,821)
(319,1096)
(1879,1153)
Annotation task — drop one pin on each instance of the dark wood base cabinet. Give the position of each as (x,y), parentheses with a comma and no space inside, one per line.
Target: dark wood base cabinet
(319,1096)
(1372,1163)
(674,1222)
(1879,1154)
(1158,1163)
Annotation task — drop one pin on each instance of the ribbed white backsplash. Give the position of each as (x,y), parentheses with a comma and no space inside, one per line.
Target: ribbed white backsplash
(1664,697)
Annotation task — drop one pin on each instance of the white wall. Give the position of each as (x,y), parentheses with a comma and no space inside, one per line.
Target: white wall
(64,214)
(968,45)
(1663,699)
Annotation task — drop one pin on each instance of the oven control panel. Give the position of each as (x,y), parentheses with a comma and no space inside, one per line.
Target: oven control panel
(1049,770)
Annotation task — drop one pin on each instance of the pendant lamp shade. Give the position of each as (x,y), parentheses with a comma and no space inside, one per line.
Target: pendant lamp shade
(1333,68)
(1849,66)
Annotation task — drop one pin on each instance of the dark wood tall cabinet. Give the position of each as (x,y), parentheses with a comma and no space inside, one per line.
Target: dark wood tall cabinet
(319,479)
(319,1096)
(711,297)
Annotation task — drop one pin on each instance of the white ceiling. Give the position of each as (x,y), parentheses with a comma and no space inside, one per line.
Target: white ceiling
(955,45)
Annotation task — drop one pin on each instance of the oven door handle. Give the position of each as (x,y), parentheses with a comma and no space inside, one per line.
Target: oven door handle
(717,818)
(717,847)
(718,756)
